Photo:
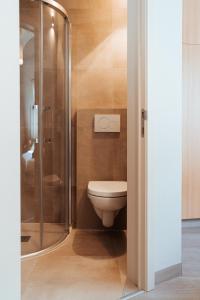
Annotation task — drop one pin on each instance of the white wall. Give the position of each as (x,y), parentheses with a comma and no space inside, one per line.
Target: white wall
(164,55)
(9,152)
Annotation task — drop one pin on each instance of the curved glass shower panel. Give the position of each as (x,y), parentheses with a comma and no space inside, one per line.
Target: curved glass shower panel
(29,92)
(54,125)
(44,124)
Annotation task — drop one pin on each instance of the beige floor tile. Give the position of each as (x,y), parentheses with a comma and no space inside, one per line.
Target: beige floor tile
(27,268)
(88,265)
(52,233)
(92,265)
(74,278)
(89,243)
(127,285)
(75,292)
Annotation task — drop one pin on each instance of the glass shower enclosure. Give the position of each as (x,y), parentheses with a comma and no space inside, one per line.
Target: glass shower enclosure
(45,124)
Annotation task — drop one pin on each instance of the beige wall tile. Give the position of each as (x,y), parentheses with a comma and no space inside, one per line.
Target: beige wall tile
(119,47)
(99,81)
(119,3)
(95,88)
(92,48)
(88,4)
(119,18)
(90,17)
(74,93)
(120,88)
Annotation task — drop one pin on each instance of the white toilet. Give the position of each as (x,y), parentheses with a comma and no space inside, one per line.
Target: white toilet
(107,198)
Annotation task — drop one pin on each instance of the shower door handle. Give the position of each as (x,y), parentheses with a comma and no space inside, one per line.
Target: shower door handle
(35,122)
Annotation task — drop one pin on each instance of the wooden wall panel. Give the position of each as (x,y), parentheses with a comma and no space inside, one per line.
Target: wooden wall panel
(191,21)
(191,109)
(191,131)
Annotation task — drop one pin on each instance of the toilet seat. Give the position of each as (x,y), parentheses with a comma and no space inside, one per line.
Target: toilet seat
(108,189)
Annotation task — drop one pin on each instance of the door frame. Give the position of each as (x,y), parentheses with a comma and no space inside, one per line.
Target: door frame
(140,243)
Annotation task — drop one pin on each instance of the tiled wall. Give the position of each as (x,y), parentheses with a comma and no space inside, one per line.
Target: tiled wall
(99,66)
(100,156)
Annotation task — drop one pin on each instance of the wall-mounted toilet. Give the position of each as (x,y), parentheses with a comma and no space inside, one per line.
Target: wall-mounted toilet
(107,198)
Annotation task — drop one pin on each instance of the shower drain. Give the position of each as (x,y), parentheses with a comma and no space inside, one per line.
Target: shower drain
(25,238)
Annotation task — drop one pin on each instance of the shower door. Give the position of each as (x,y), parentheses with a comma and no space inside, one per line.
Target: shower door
(54,125)
(30,40)
(44,125)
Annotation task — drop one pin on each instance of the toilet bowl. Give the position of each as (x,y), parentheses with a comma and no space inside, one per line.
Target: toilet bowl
(107,198)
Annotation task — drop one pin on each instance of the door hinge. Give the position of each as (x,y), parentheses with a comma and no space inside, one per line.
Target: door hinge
(143,119)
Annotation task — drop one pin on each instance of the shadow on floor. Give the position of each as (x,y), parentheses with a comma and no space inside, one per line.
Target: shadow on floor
(99,243)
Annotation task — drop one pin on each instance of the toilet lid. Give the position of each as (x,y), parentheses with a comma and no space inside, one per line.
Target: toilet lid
(107,188)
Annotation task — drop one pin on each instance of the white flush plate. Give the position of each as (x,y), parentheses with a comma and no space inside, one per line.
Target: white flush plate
(107,123)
